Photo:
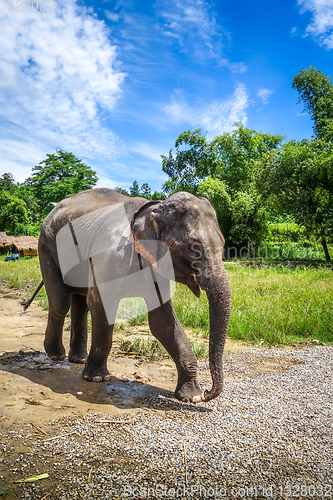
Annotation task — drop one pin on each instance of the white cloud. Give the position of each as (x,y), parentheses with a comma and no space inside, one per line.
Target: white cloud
(195,14)
(112,16)
(237,67)
(264,95)
(179,111)
(18,157)
(148,151)
(217,118)
(193,23)
(321,26)
(221,116)
(57,71)
(106,182)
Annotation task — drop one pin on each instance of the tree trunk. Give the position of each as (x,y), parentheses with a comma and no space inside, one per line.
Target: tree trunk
(327,254)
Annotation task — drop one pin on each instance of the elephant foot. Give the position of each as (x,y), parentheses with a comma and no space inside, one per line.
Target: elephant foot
(55,352)
(189,391)
(96,374)
(77,357)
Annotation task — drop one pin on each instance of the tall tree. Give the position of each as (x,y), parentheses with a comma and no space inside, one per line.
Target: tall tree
(7,182)
(316,92)
(25,194)
(190,165)
(145,191)
(299,177)
(223,170)
(58,176)
(13,213)
(134,189)
(229,157)
(121,190)
(158,196)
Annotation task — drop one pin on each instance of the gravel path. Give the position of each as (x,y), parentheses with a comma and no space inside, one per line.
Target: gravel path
(268,436)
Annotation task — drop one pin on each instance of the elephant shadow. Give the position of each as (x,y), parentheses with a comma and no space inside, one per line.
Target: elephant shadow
(65,379)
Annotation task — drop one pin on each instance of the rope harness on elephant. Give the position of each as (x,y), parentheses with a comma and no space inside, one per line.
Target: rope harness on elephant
(142,252)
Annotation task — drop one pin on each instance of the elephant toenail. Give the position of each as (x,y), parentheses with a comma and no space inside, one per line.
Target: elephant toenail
(98,378)
(196,399)
(107,378)
(86,377)
(185,400)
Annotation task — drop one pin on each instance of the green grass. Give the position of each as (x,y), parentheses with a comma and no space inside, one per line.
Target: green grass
(5,493)
(275,250)
(150,349)
(288,230)
(153,350)
(20,273)
(286,250)
(199,349)
(279,305)
(24,275)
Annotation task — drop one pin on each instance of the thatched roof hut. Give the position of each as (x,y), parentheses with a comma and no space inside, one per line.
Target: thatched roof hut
(23,245)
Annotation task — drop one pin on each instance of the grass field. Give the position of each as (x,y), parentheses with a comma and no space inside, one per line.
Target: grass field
(276,305)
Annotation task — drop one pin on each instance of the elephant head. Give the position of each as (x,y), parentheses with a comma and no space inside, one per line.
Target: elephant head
(189,227)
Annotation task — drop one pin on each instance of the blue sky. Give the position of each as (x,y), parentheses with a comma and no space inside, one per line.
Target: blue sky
(116,82)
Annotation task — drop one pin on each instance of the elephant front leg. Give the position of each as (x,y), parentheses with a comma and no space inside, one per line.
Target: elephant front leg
(95,369)
(165,326)
(78,345)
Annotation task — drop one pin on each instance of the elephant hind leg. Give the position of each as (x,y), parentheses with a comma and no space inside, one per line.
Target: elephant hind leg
(79,332)
(59,301)
(165,326)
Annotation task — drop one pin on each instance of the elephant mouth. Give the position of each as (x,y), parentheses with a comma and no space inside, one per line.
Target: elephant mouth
(193,285)
(191,282)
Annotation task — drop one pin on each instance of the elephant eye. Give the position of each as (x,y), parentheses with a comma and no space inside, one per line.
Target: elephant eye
(193,250)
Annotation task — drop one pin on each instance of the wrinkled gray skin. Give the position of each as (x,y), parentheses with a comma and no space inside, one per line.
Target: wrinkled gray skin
(180,221)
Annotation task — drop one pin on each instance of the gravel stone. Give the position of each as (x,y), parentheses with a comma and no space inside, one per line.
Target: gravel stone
(267,436)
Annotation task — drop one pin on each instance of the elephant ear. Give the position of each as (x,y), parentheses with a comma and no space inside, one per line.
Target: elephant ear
(146,231)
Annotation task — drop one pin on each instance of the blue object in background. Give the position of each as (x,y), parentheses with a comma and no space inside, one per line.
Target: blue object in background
(14,256)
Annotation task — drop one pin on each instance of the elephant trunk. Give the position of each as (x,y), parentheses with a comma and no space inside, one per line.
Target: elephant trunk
(219,297)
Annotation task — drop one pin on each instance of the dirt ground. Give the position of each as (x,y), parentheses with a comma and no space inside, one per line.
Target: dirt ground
(35,389)
(37,394)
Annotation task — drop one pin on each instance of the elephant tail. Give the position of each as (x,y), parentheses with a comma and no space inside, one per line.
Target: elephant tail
(26,303)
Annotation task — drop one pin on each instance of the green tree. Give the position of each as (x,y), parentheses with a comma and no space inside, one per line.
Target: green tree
(134,189)
(241,214)
(24,193)
(13,213)
(158,196)
(299,180)
(316,92)
(224,170)
(299,176)
(7,182)
(218,193)
(230,157)
(121,190)
(57,177)
(190,165)
(145,191)
(238,153)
